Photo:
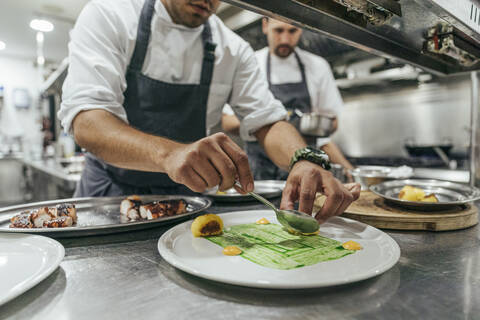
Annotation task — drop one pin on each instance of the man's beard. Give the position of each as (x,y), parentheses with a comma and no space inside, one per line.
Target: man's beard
(281,51)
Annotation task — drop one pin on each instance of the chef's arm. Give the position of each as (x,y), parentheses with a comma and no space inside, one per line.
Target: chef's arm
(114,141)
(206,163)
(280,141)
(336,155)
(230,124)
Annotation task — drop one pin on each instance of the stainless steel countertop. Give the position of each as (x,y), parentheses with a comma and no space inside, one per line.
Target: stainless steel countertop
(53,169)
(123,277)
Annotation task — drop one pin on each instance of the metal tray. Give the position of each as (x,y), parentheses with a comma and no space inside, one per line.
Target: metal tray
(100,215)
(265,188)
(449,194)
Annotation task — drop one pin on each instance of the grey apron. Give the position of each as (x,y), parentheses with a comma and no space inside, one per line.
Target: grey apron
(174,111)
(293,96)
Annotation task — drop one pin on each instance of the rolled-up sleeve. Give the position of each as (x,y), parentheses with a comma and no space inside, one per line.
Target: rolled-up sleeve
(97,65)
(251,100)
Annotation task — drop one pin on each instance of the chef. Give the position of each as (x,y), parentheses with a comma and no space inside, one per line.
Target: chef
(146,83)
(300,80)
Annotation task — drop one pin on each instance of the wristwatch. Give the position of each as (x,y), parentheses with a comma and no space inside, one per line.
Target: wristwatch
(313,155)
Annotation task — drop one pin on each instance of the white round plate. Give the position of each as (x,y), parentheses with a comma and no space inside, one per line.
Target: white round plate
(25,260)
(205,259)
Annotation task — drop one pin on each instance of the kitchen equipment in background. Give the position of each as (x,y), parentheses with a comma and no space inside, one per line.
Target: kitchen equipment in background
(372,175)
(316,124)
(447,43)
(375,211)
(403,26)
(72,165)
(427,150)
(449,194)
(435,150)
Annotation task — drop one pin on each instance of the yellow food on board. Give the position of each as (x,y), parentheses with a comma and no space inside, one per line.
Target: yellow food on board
(221,192)
(232,251)
(416,194)
(430,198)
(408,193)
(352,245)
(207,225)
(262,221)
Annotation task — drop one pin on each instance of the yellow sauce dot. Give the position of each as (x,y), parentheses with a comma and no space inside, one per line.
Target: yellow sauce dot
(262,221)
(232,251)
(352,245)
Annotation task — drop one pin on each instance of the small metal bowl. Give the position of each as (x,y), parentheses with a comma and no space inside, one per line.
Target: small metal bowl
(317,124)
(371,175)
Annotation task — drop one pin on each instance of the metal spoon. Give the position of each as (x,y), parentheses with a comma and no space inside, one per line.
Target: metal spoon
(293,220)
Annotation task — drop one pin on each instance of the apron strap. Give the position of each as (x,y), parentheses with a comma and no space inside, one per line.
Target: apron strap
(300,65)
(208,55)
(143,36)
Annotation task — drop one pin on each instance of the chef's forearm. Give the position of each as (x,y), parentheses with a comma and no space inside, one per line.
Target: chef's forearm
(336,155)
(280,142)
(230,124)
(119,144)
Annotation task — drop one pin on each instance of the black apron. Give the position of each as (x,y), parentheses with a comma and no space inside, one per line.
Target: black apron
(293,96)
(173,111)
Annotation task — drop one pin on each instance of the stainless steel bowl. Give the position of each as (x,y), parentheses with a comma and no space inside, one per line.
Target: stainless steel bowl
(371,175)
(317,124)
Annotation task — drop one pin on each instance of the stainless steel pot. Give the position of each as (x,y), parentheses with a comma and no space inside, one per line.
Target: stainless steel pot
(318,124)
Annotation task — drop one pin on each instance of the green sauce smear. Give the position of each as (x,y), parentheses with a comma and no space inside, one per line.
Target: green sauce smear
(271,246)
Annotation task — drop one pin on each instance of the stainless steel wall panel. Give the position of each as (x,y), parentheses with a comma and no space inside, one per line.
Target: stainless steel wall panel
(379,123)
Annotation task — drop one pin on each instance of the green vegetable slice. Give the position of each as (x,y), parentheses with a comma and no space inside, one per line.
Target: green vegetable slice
(272,246)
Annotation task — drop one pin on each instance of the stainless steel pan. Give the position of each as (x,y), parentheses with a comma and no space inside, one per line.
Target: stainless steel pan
(317,124)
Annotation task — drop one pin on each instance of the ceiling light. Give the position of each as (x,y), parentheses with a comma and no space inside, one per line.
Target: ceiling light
(41,25)
(2,45)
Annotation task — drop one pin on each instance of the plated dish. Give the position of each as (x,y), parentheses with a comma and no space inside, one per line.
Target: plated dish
(448,194)
(26,260)
(103,215)
(197,255)
(265,188)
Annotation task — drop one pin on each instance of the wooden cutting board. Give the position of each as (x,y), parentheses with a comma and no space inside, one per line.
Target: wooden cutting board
(373,210)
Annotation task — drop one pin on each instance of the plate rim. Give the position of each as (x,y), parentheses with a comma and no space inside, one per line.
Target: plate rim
(409,203)
(169,257)
(105,227)
(56,261)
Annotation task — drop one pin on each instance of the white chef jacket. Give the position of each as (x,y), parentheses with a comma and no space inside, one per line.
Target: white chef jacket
(102,44)
(321,85)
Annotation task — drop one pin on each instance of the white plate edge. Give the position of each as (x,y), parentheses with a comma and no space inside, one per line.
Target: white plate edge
(41,276)
(169,257)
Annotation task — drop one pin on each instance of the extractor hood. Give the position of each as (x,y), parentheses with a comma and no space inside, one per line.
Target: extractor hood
(440,36)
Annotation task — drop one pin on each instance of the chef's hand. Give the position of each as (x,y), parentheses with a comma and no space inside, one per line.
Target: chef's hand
(306,179)
(209,162)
